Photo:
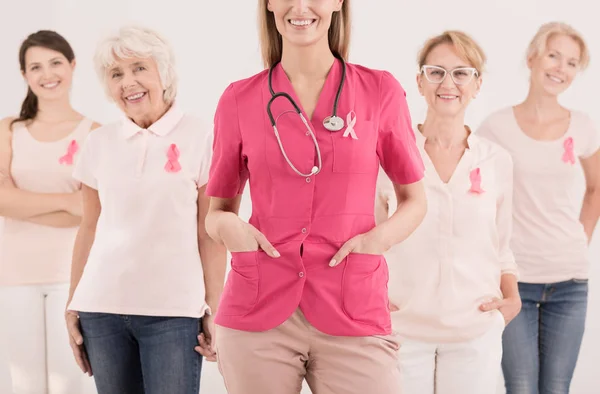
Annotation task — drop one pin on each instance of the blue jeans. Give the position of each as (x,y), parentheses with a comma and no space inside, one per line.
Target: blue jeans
(541,345)
(142,354)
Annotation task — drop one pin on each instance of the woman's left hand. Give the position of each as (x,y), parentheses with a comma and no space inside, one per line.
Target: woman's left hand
(509,307)
(367,243)
(206,340)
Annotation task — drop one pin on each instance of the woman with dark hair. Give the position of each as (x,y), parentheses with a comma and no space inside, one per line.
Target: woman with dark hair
(41,206)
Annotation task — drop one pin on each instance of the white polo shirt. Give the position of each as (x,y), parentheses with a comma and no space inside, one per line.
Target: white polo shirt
(549,241)
(145,258)
(454,260)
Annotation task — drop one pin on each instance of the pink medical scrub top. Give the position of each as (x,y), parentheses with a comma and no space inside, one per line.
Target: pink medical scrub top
(308,219)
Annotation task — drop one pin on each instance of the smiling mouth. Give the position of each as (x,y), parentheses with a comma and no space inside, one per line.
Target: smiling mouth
(50,85)
(554,79)
(447,96)
(133,98)
(301,23)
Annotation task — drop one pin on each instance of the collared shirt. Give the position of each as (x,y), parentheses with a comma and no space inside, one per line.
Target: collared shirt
(309,218)
(443,271)
(549,241)
(145,258)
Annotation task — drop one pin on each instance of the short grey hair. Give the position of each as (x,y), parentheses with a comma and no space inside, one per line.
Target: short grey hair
(134,41)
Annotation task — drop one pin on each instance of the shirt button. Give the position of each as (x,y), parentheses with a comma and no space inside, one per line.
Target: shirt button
(301,274)
(307,180)
(304,231)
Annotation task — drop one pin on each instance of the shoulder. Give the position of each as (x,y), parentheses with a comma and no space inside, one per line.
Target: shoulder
(6,124)
(583,121)
(100,132)
(493,151)
(498,117)
(95,125)
(383,81)
(246,86)
(195,124)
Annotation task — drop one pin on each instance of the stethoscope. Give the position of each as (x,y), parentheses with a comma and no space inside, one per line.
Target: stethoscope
(332,123)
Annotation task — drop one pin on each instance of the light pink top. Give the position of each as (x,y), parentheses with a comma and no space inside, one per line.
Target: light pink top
(442,272)
(31,253)
(549,241)
(145,258)
(309,218)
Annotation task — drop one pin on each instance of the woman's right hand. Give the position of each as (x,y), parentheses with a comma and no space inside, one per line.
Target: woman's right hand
(239,236)
(76,342)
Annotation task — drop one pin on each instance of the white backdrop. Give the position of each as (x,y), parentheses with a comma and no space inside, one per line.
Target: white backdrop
(216,43)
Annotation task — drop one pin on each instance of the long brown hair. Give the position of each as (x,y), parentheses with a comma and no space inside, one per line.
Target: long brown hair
(46,39)
(271,43)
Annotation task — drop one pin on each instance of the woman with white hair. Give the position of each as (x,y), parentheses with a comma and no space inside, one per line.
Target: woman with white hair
(144,273)
(550,144)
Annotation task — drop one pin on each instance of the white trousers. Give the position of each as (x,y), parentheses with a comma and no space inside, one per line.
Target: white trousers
(471,367)
(36,357)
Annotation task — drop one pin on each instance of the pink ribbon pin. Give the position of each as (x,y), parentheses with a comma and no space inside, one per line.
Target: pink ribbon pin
(173,159)
(569,154)
(350,127)
(475,177)
(68,157)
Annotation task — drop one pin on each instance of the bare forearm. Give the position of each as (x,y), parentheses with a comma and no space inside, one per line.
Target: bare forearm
(407,217)
(81,251)
(60,219)
(590,211)
(214,221)
(509,286)
(21,204)
(214,264)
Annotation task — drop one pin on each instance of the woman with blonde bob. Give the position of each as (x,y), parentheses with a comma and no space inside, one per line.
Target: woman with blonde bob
(453,282)
(306,295)
(144,275)
(552,228)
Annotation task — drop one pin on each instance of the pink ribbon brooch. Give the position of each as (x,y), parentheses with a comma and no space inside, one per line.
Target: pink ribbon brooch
(569,154)
(173,159)
(67,159)
(475,177)
(351,122)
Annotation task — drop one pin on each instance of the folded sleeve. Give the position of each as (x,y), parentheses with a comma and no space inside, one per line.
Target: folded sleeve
(228,172)
(396,145)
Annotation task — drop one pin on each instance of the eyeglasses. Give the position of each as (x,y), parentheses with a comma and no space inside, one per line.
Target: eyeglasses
(460,76)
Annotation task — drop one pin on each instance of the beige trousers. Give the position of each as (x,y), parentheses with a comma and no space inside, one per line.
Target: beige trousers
(278,360)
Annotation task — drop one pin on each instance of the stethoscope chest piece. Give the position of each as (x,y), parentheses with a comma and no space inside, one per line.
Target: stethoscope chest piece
(333,123)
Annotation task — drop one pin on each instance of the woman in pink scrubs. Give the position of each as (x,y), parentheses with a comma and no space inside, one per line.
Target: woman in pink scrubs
(307,293)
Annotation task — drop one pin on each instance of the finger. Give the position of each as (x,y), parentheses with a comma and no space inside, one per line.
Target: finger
(205,352)
(264,244)
(78,357)
(75,333)
(491,305)
(342,253)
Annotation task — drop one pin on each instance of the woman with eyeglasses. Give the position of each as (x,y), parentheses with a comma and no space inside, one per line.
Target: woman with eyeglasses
(550,146)
(453,282)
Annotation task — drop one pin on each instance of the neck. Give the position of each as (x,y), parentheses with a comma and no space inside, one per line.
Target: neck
(147,120)
(54,111)
(540,105)
(446,132)
(310,62)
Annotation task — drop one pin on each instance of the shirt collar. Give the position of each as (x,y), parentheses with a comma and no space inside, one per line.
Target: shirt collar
(161,127)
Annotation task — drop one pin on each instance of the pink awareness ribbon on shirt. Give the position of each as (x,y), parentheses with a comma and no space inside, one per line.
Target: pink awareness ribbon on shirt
(475,177)
(173,159)
(350,127)
(568,155)
(68,157)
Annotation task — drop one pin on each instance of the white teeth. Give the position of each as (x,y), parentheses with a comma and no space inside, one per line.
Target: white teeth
(135,96)
(557,80)
(303,22)
(50,85)
(447,97)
